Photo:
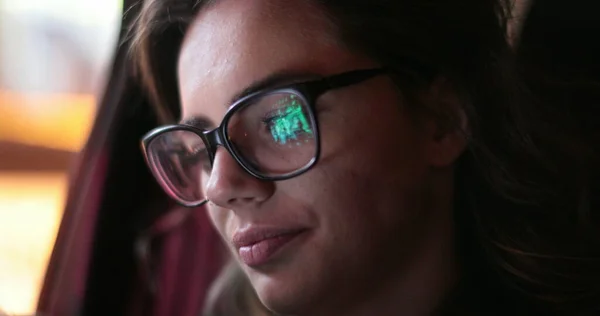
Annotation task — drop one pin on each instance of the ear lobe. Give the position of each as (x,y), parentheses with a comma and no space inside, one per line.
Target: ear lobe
(448,124)
(447,148)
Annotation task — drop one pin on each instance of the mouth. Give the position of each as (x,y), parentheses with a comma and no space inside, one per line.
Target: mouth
(259,246)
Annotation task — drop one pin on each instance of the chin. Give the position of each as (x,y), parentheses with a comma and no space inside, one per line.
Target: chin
(280,292)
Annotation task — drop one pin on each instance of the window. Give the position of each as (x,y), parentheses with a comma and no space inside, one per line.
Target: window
(54,57)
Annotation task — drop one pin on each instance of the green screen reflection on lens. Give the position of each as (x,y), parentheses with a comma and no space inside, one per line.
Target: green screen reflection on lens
(289,121)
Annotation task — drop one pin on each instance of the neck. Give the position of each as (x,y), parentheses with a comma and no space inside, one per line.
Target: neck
(421,287)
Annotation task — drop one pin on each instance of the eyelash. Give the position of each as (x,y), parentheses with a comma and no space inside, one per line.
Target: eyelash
(270,118)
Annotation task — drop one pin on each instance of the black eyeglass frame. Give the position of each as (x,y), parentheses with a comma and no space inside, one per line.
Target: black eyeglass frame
(308,91)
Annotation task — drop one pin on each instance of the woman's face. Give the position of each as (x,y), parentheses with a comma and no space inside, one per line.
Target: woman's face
(362,209)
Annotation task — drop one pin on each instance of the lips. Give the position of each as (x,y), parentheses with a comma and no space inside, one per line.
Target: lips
(257,246)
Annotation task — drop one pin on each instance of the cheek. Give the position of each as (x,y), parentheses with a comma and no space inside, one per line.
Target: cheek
(371,178)
(219,219)
(372,138)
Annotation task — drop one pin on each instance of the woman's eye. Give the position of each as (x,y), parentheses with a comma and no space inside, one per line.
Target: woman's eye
(197,153)
(184,154)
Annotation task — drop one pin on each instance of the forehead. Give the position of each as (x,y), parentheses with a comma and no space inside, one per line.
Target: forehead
(233,43)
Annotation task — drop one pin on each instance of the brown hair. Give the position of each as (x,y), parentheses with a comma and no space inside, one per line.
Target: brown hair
(524,240)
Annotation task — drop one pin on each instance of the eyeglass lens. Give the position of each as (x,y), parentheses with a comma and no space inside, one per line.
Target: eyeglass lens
(272,135)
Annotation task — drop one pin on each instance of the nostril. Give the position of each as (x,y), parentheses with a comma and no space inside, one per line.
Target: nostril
(240,200)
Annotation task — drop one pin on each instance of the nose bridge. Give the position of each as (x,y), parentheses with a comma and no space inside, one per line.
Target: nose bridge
(215,138)
(224,167)
(230,186)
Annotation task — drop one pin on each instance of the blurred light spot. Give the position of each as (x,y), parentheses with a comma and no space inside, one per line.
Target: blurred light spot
(31,209)
(59,121)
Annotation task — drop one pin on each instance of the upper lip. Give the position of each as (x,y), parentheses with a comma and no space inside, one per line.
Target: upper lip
(252,235)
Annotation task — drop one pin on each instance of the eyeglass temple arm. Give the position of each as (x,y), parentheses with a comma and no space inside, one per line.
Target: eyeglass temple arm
(353,77)
(357,76)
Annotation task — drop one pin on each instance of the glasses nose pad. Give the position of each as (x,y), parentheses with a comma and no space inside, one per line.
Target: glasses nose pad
(213,140)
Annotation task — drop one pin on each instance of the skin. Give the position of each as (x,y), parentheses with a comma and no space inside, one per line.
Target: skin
(377,206)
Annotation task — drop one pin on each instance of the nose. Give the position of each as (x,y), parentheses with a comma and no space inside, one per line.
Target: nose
(230,186)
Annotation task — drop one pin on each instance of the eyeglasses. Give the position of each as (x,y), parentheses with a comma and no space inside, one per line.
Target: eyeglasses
(272,134)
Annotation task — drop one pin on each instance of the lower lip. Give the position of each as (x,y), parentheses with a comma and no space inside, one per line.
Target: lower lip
(261,252)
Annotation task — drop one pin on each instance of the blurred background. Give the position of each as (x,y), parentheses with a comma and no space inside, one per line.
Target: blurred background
(54,58)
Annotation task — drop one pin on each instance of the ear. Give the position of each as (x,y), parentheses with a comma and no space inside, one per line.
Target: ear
(446,124)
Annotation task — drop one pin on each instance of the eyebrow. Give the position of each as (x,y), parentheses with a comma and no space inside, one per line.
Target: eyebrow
(274,80)
(200,122)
